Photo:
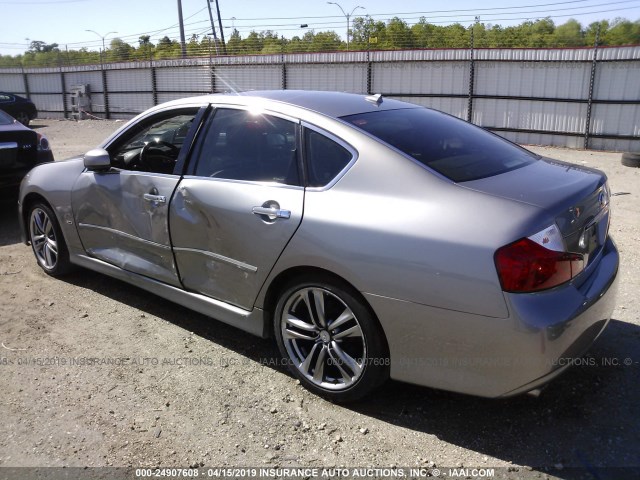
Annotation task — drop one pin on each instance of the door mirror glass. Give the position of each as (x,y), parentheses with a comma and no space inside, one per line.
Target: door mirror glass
(97,159)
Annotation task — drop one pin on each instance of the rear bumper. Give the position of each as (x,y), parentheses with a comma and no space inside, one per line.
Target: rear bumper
(494,357)
(10,177)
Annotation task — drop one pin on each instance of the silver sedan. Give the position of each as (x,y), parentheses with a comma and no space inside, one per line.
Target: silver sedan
(370,237)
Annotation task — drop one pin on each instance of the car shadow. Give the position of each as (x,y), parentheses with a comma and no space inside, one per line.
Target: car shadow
(36,126)
(583,425)
(9,225)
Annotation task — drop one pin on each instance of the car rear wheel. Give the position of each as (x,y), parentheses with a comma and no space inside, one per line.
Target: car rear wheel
(23,118)
(330,340)
(47,241)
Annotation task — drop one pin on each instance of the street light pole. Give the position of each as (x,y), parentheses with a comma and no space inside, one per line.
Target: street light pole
(347,16)
(102,37)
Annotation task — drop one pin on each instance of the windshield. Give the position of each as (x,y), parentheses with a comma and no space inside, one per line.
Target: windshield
(454,148)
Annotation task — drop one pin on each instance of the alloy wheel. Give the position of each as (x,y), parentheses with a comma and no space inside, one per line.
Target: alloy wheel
(323,338)
(43,239)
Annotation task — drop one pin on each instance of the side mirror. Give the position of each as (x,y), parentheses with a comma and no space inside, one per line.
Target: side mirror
(97,159)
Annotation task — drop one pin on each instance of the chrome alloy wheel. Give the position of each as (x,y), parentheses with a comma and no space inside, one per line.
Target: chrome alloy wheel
(323,338)
(43,239)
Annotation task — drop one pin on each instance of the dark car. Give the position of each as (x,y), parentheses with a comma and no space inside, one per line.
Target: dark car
(20,150)
(22,109)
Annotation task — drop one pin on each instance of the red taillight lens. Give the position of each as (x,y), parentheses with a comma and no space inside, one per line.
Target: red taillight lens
(525,266)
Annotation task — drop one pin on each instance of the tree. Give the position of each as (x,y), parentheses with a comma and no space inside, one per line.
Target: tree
(624,32)
(365,33)
(145,51)
(38,46)
(398,35)
(423,33)
(119,51)
(167,48)
(569,34)
(234,44)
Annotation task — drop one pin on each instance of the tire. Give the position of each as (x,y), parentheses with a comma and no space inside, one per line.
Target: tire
(23,118)
(47,241)
(631,160)
(340,354)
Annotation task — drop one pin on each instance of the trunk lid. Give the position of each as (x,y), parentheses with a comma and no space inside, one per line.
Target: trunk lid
(18,149)
(577,197)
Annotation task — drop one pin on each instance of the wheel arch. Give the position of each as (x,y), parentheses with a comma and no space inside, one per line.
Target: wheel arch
(283,278)
(29,200)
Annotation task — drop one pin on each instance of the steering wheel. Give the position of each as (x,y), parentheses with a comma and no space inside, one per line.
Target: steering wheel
(162,162)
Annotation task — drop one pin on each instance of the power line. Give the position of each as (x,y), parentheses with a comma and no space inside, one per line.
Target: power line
(197,25)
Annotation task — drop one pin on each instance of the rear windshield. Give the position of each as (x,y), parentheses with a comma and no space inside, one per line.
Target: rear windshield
(5,119)
(454,148)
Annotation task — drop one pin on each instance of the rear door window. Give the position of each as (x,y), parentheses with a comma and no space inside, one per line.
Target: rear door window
(243,145)
(456,149)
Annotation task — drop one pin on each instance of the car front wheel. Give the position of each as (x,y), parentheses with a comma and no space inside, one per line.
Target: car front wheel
(330,340)
(47,240)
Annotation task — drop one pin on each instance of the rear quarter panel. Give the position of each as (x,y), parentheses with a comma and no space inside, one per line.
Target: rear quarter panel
(391,228)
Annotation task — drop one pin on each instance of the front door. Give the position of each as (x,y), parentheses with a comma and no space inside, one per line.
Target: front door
(122,214)
(232,216)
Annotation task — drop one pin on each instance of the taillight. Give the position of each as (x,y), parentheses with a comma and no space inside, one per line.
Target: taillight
(536,263)
(43,143)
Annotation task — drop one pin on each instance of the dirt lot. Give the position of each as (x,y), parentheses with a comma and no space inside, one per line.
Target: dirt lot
(185,390)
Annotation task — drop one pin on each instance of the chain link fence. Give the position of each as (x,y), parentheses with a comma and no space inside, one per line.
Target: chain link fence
(572,97)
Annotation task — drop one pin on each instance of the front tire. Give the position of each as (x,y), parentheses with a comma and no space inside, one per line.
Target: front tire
(330,339)
(47,241)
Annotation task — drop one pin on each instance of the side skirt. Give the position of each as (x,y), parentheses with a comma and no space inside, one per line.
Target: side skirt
(252,321)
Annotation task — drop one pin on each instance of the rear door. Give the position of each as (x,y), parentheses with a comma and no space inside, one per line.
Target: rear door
(239,205)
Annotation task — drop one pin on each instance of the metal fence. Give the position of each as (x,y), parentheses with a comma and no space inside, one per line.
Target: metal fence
(578,98)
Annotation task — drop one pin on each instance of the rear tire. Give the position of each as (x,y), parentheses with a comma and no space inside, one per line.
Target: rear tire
(631,160)
(47,241)
(330,339)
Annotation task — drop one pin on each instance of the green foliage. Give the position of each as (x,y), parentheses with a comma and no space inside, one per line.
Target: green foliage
(365,33)
(38,46)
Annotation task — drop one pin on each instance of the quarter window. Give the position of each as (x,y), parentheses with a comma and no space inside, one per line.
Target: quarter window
(325,158)
(242,145)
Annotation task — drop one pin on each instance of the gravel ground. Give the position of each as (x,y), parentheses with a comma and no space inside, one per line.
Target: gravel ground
(185,390)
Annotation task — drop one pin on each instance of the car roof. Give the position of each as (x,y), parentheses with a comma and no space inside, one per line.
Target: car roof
(332,104)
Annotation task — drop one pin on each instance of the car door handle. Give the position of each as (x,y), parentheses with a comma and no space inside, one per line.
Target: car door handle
(149,197)
(272,213)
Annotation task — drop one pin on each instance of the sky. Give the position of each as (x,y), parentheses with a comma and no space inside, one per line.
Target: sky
(65,21)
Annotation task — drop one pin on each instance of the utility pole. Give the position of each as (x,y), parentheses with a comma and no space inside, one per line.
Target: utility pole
(213,30)
(224,45)
(183,44)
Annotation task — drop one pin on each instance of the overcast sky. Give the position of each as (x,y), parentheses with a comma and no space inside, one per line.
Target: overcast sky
(65,21)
